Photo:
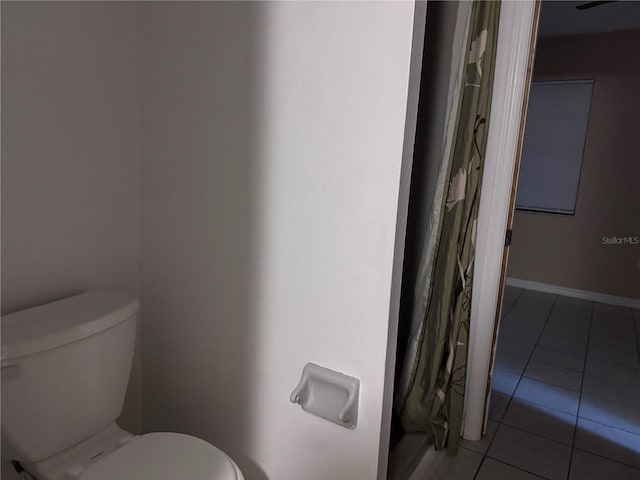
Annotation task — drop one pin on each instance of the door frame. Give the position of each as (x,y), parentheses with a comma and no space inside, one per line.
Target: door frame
(516,45)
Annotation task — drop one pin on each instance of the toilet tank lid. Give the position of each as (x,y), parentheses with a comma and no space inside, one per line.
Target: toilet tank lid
(57,323)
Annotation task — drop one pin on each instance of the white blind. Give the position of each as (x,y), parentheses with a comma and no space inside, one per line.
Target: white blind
(554,138)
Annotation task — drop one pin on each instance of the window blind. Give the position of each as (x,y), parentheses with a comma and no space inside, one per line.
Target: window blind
(553,146)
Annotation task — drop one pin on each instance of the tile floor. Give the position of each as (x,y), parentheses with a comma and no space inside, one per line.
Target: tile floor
(566,396)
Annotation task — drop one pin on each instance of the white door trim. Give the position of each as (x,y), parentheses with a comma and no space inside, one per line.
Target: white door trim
(514,38)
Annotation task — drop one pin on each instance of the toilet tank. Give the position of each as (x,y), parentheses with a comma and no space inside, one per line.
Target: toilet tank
(65,369)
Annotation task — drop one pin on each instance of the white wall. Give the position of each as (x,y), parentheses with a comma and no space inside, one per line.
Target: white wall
(272,138)
(69,156)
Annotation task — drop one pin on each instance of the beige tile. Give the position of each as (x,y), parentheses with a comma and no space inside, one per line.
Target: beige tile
(559,376)
(497,405)
(625,393)
(493,470)
(504,382)
(548,395)
(610,413)
(511,363)
(442,466)
(585,466)
(615,444)
(530,452)
(543,421)
(561,358)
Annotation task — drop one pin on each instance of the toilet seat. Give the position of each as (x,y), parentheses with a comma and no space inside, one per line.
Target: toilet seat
(162,456)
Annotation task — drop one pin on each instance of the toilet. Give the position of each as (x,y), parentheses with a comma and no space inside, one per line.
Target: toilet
(65,370)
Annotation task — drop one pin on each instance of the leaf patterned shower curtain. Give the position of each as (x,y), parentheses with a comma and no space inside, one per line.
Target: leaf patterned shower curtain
(430,396)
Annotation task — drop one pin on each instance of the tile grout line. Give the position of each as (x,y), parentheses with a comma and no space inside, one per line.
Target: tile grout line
(583,372)
(504,314)
(484,455)
(584,368)
(604,424)
(555,364)
(555,410)
(517,468)
(508,465)
(516,387)
(555,300)
(572,447)
(534,434)
(609,459)
(581,397)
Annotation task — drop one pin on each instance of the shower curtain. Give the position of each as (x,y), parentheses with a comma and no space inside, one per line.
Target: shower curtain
(430,392)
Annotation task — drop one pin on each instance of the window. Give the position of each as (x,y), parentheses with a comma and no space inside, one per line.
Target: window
(553,145)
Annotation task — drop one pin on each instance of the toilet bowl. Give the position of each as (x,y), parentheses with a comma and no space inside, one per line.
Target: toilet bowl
(65,368)
(114,454)
(160,456)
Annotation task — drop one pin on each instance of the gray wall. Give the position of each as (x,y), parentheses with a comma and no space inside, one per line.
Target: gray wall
(69,157)
(198,84)
(568,250)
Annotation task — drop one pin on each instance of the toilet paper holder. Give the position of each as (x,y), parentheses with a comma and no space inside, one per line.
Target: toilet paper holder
(328,394)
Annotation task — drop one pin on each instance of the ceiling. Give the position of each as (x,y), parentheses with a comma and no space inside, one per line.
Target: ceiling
(562,18)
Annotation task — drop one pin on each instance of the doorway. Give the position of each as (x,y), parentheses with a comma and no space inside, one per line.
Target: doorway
(566,383)
(549,416)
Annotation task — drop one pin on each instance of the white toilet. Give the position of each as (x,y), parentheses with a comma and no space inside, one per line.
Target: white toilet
(65,369)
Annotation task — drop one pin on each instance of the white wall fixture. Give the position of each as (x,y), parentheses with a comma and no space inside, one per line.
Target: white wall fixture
(328,394)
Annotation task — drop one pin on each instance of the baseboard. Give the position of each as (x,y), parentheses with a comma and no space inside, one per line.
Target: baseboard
(573,292)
